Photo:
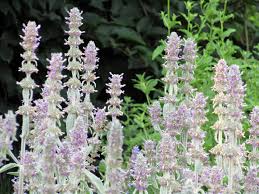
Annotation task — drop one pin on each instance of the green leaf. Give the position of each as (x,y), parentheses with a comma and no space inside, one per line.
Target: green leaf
(145,84)
(143,24)
(165,19)
(6,53)
(128,34)
(8,167)
(95,181)
(116,6)
(93,19)
(228,32)
(158,51)
(5,7)
(13,173)
(97,4)
(102,167)
(16,5)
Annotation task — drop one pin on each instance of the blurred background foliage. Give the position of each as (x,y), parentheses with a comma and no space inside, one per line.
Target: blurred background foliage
(131,35)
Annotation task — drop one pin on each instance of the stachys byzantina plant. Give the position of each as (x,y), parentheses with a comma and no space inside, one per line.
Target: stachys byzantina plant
(178,163)
(52,160)
(55,160)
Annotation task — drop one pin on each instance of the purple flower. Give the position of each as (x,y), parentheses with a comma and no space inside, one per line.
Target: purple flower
(78,135)
(220,78)
(90,60)
(150,151)
(56,66)
(155,113)
(29,164)
(99,119)
(135,151)
(171,58)
(198,112)
(41,110)
(74,21)
(78,159)
(189,53)
(64,153)
(212,177)
(176,120)
(90,57)
(251,180)
(8,128)
(140,172)
(114,147)
(117,179)
(254,130)
(166,154)
(114,89)
(236,89)
(172,48)
(30,42)
(10,125)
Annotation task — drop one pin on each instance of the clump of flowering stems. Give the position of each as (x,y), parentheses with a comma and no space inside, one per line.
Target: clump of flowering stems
(229,103)
(180,118)
(55,160)
(179,122)
(51,161)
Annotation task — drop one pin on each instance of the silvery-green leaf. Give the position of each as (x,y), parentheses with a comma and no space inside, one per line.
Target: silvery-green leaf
(8,167)
(95,181)
(13,173)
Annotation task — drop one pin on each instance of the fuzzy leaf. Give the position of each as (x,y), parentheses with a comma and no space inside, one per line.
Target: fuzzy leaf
(13,173)
(8,167)
(95,181)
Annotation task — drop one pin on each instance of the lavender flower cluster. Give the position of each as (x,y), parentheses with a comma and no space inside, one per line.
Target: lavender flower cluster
(53,160)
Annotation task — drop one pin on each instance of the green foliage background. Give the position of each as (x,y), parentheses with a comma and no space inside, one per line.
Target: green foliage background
(127,33)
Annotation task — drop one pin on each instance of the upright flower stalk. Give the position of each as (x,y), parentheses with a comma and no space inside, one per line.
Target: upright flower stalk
(171,66)
(189,55)
(197,154)
(115,134)
(30,42)
(155,112)
(53,85)
(229,108)
(90,61)
(140,172)
(8,128)
(74,21)
(187,76)
(219,104)
(251,183)
(254,136)
(167,164)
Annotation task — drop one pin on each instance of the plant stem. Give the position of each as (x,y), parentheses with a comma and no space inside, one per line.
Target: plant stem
(168,14)
(246,30)
(148,99)
(21,168)
(25,129)
(10,153)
